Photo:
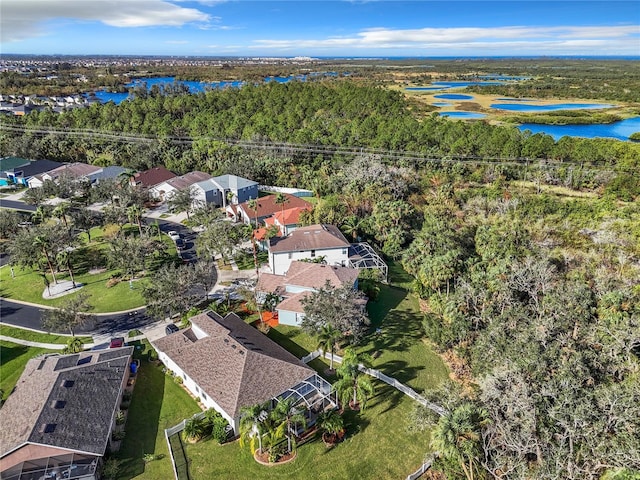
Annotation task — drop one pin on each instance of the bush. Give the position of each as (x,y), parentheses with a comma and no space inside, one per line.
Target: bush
(120,417)
(118,435)
(110,469)
(112,282)
(134,333)
(216,426)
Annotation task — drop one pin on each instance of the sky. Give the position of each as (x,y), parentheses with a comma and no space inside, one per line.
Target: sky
(338,28)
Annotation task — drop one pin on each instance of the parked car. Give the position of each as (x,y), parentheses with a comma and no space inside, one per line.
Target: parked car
(116,342)
(171,328)
(173,235)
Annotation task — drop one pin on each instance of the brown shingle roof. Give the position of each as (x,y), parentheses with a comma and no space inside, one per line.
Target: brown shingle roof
(313,237)
(90,400)
(294,302)
(152,177)
(309,275)
(232,362)
(267,205)
(188,179)
(74,170)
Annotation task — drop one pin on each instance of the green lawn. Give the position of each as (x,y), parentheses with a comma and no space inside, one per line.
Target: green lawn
(157,403)
(378,445)
(13,358)
(28,285)
(21,333)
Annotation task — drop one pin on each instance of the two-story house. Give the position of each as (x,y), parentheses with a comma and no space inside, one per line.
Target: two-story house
(225,189)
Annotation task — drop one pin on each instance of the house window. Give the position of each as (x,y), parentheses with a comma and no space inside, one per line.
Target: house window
(344,251)
(197,389)
(290,255)
(204,396)
(313,253)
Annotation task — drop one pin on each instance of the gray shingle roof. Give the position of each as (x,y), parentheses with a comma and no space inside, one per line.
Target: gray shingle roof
(90,390)
(234,364)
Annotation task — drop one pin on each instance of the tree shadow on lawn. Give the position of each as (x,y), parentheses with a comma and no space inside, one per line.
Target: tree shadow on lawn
(385,395)
(143,419)
(284,340)
(11,353)
(388,299)
(400,330)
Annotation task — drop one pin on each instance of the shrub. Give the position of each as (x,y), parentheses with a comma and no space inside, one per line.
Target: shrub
(216,425)
(134,333)
(120,417)
(118,435)
(112,282)
(111,468)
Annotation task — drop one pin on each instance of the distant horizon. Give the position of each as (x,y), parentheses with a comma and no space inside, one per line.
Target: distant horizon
(321,28)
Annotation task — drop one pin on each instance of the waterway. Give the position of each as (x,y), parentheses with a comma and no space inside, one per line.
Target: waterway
(620,130)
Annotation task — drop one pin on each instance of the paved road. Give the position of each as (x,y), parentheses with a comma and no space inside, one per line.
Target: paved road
(16,205)
(21,315)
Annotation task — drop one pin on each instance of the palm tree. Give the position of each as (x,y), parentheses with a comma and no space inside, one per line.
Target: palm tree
(60,211)
(74,345)
(253,205)
(457,437)
(252,425)
(125,177)
(351,226)
(286,414)
(134,212)
(63,258)
(41,214)
(193,429)
(229,196)
(354,387)
(327,339)
(42,243)
(281,199)
(331,424)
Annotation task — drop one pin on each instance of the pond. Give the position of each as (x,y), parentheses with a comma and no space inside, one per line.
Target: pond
(620,130)
(454,96)
(519,107)
(466,115)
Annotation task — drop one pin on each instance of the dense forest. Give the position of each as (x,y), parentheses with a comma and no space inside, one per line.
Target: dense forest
(525,252)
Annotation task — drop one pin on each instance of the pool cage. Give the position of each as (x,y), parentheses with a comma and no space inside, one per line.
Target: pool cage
(68,467)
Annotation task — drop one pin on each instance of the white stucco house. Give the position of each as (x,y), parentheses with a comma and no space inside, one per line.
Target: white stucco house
(165,190)
(312,242)
(301,279)
(229,365)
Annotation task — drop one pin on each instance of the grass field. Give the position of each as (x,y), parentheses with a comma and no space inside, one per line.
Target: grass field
(13,358)
(23,334)
(157,403)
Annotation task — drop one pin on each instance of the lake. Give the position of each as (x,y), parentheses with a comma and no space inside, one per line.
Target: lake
(620,130)
(519,107)
(454,96)
(198,87)
(465,115)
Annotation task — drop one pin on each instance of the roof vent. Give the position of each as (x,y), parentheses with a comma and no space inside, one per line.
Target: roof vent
(48,428)
(59,404)
(68,383)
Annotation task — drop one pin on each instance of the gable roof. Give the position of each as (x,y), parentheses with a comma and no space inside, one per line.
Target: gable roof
(290,216)
(112,171)
(267,205)
(233,182)
(293,303)
(313,237)
(88,383)
(37,167)
(152,177)
(74,170)
(232,362)
(10,163)
(307,275)
(187,180)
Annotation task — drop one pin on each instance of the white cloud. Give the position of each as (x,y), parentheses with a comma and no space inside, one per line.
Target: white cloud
(559,39)
(22,19)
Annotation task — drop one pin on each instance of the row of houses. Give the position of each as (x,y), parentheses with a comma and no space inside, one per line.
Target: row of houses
(59,420)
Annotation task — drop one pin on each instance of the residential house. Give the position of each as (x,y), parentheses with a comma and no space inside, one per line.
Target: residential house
(216,190)
(300,279)
(286,221)
(75,170)
(312,242)
(21,174)
(229,365)
(8,164)
(266,207)
(152,177)
(165,190)
(107,173)
(58,421)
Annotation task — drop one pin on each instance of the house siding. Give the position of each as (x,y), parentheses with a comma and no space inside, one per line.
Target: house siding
(286,317)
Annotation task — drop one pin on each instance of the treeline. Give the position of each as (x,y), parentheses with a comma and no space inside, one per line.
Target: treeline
(325,113)
(570,117)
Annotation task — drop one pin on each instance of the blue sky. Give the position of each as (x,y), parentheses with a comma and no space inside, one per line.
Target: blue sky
(320,28)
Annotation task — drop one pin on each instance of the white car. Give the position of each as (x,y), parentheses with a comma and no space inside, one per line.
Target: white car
(173,235)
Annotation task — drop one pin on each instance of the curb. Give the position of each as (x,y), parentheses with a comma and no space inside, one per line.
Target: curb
(48,307)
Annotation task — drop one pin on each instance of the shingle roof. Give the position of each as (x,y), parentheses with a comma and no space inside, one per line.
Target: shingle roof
(74,170)
(187,179)
(90,389)
(111,171)
(308,275)
(37,167)
(152,177)
(232,362)
(267,205)
(233,182)
(293,303)
(10,163)
(290,216)
(313,237)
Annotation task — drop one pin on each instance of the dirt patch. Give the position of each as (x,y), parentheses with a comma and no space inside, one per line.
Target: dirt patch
(97,271)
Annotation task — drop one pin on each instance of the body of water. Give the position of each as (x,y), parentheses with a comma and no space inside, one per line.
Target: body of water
(457,84)
(454,96)
(519,107)
(620,130)
(197,87)
(466,115)
(418,89)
